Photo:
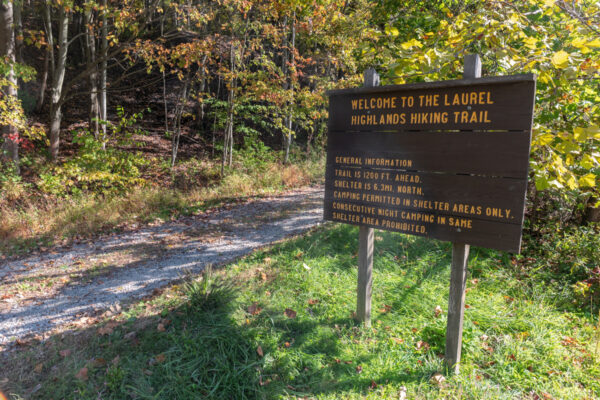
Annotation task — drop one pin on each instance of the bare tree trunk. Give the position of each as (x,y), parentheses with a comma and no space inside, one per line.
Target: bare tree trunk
(10,134)
(164,79)
(215,119)
(90,49)
(57,82)
(289,133)
(18,32)
(228,139)
(39,104)
(177,123)
(49,59)
(103,68)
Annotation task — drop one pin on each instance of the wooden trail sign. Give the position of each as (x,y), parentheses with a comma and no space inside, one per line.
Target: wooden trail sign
(447,160)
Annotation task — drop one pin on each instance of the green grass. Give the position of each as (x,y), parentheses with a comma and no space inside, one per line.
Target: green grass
(227,336)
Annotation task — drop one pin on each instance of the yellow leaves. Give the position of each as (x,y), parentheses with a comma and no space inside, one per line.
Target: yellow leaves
(560,59)
(531,43)
(588,180)
(392,31)
(410,44)
(544,139)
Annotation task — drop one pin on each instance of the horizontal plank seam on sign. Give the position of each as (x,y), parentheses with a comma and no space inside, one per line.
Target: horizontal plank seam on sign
(449,131)
(436,85)
(400,208)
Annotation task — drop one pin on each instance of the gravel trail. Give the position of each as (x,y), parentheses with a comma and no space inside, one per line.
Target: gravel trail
(88,279)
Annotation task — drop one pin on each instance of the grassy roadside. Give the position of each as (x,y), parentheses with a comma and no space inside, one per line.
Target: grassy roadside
(38,222)
(278,324)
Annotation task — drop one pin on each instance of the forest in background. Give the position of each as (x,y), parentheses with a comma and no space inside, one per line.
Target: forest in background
(111,107)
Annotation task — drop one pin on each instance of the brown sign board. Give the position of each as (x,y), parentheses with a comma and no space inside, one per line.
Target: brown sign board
(447,160)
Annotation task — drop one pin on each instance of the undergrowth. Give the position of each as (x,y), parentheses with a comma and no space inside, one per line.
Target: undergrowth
(68,210)
(279,325)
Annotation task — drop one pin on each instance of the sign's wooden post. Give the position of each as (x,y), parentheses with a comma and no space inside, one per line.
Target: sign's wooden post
(458,274)
(365,246)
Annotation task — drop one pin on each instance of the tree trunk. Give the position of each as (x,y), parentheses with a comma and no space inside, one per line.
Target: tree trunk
(90,49)
(10,134)
(57,82)
(49,59)
(177,124)
(18,32)
(103,68)
(289,133)
(215,119)
(228,139)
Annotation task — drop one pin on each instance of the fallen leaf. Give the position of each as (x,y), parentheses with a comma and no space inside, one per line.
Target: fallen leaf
(65,353)
(290,313)
(263,276)
(437,311)
(287,344)
(402,393)
(160,327)
(254,309)
(82,374)
(108,328)
(437,379)
(373,385)
(160,358)
(115,361)
(38,368)
(398,340)
(147,372)
(422,345)
(386,308)
(312,302)
(98,362)
(547,396)
(306,267)
(467,306)
(259,351)
(358,369)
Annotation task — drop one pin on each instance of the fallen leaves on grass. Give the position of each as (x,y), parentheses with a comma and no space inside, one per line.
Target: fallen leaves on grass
(402,393)
(108,328)
(386,308)
(259,351)
(312,302)
(82,374)
(290,313)
(254,309)
(437,379)
(398,340)
(422,345)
